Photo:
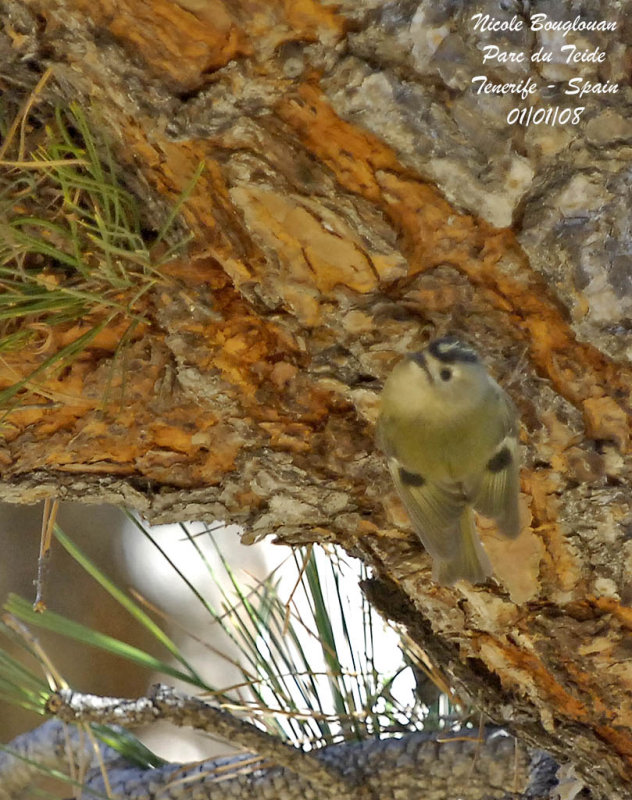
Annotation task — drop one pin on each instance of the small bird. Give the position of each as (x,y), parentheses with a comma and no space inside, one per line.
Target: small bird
(450,434)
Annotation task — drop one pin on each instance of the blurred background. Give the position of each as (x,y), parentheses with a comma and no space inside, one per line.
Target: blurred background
(153,566)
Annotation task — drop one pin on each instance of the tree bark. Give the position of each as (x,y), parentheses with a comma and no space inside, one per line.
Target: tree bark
(359,196)
(419,765)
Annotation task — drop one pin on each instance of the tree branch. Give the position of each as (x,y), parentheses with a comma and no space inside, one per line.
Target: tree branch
(52,746)
(165,702)
(419,766)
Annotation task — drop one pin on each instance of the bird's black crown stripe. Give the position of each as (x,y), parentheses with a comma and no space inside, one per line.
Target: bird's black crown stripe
(451,351)
(410,478)
(501,460)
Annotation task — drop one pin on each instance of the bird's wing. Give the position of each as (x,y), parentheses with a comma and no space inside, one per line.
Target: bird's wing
(498,492)
(434,510)
(470,562)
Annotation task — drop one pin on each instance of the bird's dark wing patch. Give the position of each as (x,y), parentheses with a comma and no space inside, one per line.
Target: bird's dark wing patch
(501,460)
(410,478)
(499,489)
(434,510)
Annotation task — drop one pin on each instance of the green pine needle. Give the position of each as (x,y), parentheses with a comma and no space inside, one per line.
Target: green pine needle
(72,244)
(303,693)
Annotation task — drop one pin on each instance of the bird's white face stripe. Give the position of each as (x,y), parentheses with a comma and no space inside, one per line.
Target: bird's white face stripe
(450,350)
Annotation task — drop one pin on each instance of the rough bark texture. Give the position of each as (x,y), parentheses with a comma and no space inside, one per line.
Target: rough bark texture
(360,196)
(416,766)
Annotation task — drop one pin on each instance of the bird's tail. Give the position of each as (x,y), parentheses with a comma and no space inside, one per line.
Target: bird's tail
(470,561)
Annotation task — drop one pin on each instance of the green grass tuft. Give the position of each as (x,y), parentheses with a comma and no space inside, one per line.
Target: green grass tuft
(72,246)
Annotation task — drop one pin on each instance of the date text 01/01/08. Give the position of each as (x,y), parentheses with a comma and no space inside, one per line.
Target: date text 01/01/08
(551,115)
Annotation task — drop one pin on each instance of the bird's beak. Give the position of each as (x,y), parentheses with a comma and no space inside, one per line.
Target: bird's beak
(420,360)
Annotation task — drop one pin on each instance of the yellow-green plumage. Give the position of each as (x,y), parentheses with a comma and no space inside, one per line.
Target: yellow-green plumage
(449,432)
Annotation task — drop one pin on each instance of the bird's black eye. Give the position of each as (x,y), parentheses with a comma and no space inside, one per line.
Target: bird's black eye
(445,374)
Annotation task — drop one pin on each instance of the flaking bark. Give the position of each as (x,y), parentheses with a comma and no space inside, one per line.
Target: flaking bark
(358,198)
